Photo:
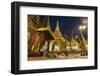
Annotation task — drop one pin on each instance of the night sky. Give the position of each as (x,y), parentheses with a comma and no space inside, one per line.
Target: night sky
(68,25)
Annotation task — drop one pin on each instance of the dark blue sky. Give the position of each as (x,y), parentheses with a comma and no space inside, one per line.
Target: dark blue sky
(68,25)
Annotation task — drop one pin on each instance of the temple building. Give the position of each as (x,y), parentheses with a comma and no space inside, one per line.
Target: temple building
(33,24)
(57,33)
(59,40)
(74,45)
(39,36)
(42,40)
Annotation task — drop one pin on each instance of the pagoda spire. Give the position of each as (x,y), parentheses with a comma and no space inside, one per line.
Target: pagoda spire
(48,24)
(57,27)
(83,39)
(57,33)
(84,43)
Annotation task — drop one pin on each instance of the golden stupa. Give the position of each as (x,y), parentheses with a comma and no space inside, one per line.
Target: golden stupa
(59,40)
(83,45)
(57,33)
(74,44)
